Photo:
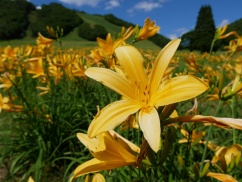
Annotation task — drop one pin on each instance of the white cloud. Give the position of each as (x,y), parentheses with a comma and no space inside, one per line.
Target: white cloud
(38,7)
(172,36)
(92,3)
(146,6)
(178,33)
(224,22)
(112,4)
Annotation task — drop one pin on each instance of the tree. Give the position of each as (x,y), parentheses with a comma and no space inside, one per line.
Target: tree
(54,15)
(14,18)
(91,32)
(204,31)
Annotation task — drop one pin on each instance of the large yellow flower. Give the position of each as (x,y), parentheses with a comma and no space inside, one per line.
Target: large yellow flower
(110,151)
(142,92)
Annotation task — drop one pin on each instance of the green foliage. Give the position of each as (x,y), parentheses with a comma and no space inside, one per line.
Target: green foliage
(91,32)
(14,18)
(186,40)
(201,37)
(159,40)
(54,15)
(116,21)
(204,30)
(37,144)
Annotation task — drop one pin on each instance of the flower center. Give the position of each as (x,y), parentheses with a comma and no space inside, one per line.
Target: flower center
(142,94)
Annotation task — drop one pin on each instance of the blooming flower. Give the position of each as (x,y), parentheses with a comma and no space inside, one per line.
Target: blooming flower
(7,80)
(109,45)
(149,29)
(142,92)
(44,42)
(4,103)
(110,151)
(35,67)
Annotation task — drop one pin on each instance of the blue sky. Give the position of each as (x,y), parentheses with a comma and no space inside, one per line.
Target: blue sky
(174,17)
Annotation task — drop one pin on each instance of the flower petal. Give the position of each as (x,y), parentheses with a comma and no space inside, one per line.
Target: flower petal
(116,149)
(93,144)
(95,165)
(111,116)
(161,63)
(221,177)
(132,62)
(132,146)
(234,123)
(150,125)
(178,89)
(112,80)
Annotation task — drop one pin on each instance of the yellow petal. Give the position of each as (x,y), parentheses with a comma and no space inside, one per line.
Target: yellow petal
(178,89)
(30,179)
(161,63)
(93,165)
(132,62)
(234,123)
(150,125)
(98,178)
(234,149)
(93,144)
(134,147)
(112,80)
(116,150)
(221,177)
(111,116)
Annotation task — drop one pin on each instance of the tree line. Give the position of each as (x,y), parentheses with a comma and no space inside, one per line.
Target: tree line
(19,16)
(202,36)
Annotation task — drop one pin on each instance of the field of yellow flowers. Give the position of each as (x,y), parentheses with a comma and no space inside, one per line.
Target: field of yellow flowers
(118,113)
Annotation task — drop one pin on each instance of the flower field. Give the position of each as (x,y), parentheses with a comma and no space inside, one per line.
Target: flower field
(121,113)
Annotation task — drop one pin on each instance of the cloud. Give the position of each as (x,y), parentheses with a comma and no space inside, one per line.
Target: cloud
(172,36)
(146,6)
(91,3)
(224,22)
(112,4)
(178,33)
(38,7)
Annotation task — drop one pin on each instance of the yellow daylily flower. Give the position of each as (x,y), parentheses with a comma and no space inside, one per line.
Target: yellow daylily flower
(149,29)
(44,42)
(110,151)
(227,153)
(126,33)
(142,92)
(109,45)
(219,34)
(7,80)
(35,67)
(4,103)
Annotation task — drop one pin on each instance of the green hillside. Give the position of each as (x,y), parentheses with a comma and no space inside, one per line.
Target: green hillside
(71,39)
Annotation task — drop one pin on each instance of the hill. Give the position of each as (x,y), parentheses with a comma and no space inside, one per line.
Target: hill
(111,23)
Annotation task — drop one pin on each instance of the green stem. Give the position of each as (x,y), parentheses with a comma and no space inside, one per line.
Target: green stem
(233,102)
(211,48)
(208,136)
